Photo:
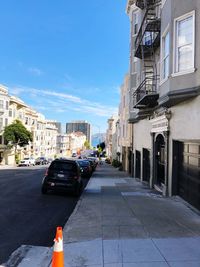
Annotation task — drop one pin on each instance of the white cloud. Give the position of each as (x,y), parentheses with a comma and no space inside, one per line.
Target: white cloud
(35,71)
(61,102)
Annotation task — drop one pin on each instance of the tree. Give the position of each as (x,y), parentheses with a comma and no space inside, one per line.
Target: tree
(102,146)
(87,144)
(16,134)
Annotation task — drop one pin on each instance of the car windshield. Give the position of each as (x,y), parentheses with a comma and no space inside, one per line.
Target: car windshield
(64,166)
(83,163)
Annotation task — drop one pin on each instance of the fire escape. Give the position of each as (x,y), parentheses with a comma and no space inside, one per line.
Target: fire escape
(147,41)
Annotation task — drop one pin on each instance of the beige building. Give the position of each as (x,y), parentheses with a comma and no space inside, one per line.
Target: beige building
(111,137)
(63,145)
(165,91)
(77,140)
(125,131)
(4,106)
(44,131)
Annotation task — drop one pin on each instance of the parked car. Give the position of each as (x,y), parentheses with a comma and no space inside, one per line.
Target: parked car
(63,175)
(41,161)
(27,162)
(92,164)
(85,167)
(74,155)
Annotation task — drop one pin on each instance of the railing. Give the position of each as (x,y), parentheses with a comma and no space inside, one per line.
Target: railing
(145,3)
(147,87)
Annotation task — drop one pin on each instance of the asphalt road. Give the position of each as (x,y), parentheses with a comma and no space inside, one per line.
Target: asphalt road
(26,216)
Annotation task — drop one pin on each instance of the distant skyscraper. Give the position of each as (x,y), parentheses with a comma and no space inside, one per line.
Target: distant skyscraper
(58,125)
(79,126)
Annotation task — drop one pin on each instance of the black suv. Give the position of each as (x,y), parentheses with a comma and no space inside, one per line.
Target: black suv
(63,174)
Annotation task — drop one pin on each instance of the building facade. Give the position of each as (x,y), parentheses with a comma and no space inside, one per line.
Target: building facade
(125,131)
(112,137)
(44,131)
(79,126)
(165,95)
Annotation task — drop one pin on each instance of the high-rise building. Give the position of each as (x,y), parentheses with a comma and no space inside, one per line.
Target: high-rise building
(79,126)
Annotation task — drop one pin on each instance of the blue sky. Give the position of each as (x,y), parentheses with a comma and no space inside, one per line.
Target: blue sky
(65,58)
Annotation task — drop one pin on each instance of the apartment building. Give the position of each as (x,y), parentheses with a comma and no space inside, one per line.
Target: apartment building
(165,92)
(63,145)
(44,131)
(4,104)
(77,140)
(112,137)
(125,131)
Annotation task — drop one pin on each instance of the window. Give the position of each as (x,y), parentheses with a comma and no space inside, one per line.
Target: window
(165,56)
(184,43)
(135,23)
(1,104)
(148,38)
(134,63)
(10,112)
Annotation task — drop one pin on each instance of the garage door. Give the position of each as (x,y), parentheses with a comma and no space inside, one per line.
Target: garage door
(189,173)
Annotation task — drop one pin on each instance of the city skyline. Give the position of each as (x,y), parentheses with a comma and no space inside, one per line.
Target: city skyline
(69,63)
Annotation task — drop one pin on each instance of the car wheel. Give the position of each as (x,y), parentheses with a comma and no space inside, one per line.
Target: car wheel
(44,190)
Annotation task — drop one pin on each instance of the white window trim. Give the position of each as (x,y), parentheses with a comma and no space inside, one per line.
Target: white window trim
(161,55)
(163,3)
(136,13)
(175,72)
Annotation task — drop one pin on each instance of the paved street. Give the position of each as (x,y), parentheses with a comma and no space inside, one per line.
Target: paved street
(27,216)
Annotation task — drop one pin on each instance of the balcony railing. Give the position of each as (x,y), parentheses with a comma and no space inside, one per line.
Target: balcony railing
(144,3)
(146,95)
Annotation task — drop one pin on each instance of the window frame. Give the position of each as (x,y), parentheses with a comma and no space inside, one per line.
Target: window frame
(135,22)
(162,80)
(176,72)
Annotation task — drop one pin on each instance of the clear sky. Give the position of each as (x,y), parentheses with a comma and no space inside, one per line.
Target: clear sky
(65,58)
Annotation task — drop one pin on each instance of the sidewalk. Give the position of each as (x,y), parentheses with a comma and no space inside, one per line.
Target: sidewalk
(119,222)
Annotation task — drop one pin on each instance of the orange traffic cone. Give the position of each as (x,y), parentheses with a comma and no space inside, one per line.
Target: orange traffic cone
(58,255)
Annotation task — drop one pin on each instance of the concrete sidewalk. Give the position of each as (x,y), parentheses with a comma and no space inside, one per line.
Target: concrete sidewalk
(119,222)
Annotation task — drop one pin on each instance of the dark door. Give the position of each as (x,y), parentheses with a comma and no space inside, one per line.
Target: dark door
(138,164)
(146,165)
(129,160)
(133,167)
(189,173)
(160,159)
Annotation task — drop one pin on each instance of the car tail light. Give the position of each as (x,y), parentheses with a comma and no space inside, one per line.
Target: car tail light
(76,177)
(47,172)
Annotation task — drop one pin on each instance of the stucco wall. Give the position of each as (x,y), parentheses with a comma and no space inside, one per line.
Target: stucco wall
(184,126)
(142,137)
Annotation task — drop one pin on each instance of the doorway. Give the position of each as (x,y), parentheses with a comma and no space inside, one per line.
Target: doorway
(138,164)
(160,160)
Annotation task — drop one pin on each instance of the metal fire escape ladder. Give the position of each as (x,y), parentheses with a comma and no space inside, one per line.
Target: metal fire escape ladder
(145,43)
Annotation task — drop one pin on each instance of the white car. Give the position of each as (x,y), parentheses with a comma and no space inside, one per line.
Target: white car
(27,162)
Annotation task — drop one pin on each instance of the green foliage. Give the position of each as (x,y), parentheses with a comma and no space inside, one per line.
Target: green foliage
(101,145)
(87,144)
(17,160)
(17,134)
(116,163)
